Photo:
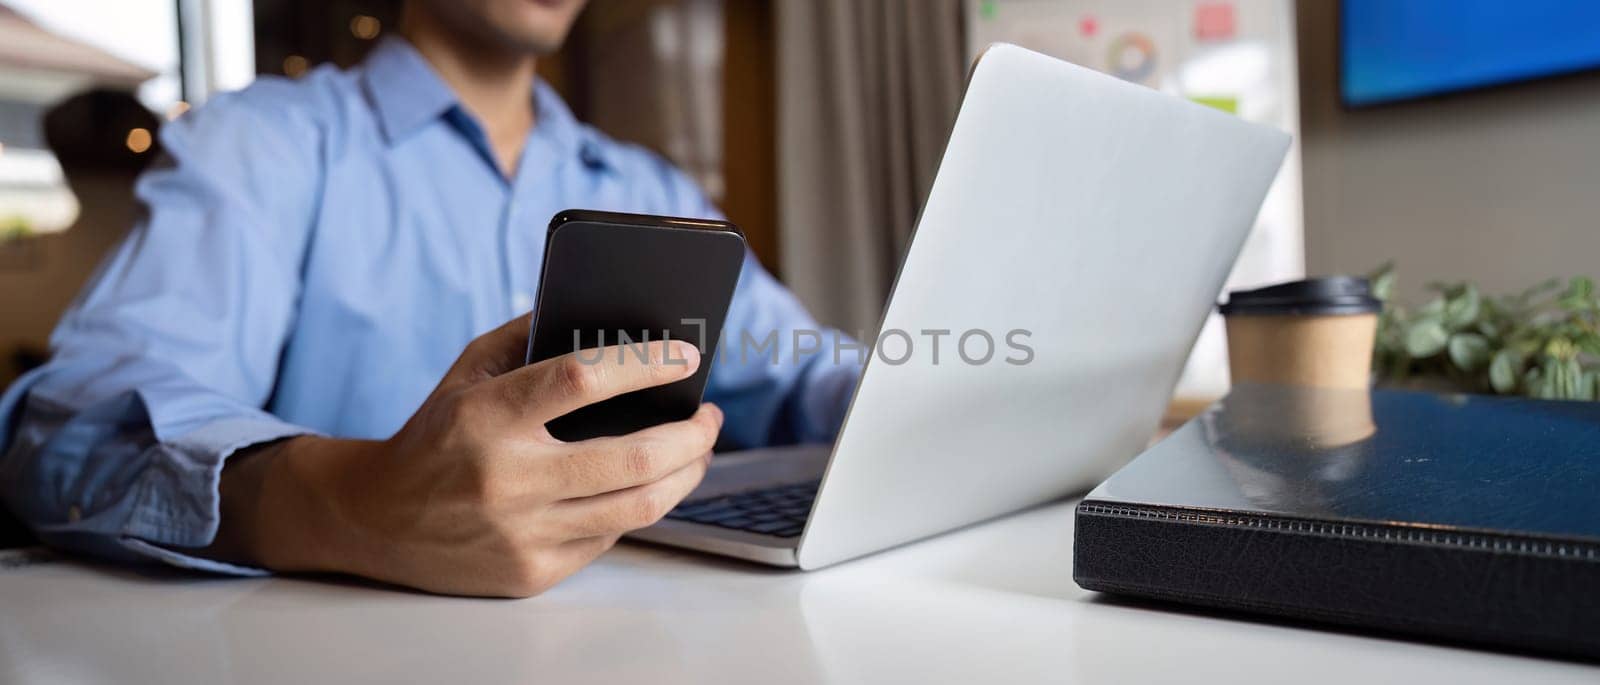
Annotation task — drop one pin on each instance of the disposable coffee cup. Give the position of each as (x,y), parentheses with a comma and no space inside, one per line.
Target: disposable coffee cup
(1317,332)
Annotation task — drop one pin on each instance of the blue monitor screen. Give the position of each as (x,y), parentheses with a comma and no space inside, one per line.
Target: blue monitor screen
(1401,49)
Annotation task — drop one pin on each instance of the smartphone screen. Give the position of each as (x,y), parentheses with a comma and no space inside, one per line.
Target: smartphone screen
(612,279)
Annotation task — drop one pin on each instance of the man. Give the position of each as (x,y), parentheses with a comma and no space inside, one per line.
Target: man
(261,376)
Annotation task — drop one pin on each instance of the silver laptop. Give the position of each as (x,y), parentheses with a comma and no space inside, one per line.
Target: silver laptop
(1088,220)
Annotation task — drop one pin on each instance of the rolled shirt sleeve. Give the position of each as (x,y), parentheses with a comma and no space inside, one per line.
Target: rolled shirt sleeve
(159,370)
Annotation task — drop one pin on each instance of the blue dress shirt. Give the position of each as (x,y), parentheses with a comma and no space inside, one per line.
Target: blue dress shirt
(317,253)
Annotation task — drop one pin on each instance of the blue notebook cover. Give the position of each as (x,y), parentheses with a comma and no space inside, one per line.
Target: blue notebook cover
(1461,517)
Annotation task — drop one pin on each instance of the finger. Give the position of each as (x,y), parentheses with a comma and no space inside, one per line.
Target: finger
(585,550)
(624,510)
(552,388)
(550,565)
(491,354)
(571,556)
(602,465)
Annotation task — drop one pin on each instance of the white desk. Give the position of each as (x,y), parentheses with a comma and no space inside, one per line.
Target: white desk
(990,604)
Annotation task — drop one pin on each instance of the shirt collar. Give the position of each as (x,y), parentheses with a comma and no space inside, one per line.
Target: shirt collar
(407,93)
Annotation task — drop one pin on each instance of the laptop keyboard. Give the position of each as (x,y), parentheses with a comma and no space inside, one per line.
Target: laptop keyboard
(779,511)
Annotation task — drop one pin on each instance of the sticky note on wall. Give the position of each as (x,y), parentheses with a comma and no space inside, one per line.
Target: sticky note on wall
(1226,103)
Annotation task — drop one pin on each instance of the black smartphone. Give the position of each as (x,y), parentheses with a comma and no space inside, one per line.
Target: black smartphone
(612,278)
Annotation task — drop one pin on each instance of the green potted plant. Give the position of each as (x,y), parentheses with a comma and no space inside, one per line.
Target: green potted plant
(1543,342)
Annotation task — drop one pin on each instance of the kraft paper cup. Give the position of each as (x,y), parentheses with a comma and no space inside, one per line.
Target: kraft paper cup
(1317,332)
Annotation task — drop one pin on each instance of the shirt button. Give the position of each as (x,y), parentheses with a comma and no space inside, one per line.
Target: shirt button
(74,514)
(522,302)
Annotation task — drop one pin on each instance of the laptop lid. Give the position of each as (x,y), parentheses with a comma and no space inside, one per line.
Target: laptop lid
(1078,232)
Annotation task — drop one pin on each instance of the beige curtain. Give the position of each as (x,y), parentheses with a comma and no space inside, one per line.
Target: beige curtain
(867,91)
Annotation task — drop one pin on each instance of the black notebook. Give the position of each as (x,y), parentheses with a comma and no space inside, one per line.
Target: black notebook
(1461,517)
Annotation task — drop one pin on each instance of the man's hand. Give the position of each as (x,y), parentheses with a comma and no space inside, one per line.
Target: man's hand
(473,496)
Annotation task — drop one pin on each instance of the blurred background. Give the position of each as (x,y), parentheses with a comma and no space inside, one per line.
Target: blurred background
(1459,138)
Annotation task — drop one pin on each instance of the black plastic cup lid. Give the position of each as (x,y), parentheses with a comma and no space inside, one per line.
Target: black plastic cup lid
(1310,297)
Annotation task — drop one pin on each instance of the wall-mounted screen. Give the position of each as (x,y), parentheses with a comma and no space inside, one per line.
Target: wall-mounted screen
(1403,49)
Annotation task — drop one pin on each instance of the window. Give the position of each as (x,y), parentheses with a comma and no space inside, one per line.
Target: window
(127,53)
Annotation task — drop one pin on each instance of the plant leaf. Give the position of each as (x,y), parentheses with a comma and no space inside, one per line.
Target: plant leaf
(1426,338)
(1571,376)
(1468,351)
(1503,371)
(1590,344)
(1433,309)
(1585,389)
(1560,348)
(1540,289)
(1579,295)
(1462,309)
(1580,287)
(1382,280)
